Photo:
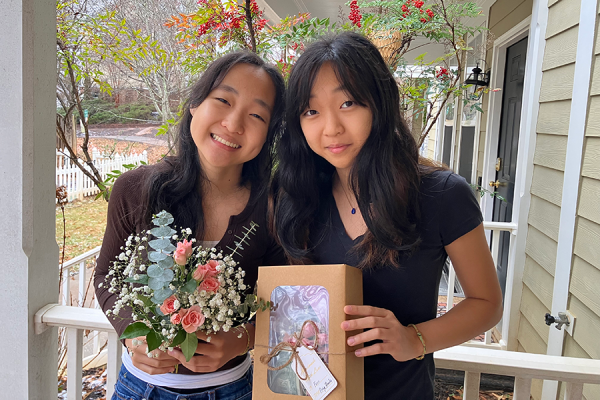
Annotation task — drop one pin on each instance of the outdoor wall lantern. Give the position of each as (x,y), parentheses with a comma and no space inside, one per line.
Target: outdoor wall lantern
(479,81)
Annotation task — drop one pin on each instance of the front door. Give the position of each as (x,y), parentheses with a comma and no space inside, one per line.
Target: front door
(508,143)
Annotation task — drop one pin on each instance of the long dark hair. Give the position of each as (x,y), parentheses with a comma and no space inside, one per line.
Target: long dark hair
(175,183)
(385,176)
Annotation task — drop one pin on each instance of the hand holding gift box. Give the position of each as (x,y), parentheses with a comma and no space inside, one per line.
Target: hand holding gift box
(301,336)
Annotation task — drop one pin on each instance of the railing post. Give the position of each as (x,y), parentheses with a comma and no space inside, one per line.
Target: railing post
(113,363)
(82,283)
(574,391)
(74,363)
(522,389)
(472,380)
(65,288)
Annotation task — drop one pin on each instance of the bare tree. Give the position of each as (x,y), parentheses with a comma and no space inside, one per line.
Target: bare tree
(156,73)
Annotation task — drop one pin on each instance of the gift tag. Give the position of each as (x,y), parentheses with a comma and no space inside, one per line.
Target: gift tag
(320,381)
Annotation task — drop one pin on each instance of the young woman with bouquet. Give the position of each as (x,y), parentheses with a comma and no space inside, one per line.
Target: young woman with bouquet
(350,188)
(217,186)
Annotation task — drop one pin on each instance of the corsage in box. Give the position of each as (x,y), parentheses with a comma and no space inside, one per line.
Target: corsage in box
(300,347)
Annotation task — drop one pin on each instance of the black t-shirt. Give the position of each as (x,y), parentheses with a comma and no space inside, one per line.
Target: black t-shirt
(449,210)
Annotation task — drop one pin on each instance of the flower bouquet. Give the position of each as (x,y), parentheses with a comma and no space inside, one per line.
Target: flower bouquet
(174,289)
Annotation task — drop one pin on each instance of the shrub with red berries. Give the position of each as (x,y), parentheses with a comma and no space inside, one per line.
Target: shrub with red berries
(355,15)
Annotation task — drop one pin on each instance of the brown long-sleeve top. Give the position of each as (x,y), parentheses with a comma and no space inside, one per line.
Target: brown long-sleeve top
(125,214)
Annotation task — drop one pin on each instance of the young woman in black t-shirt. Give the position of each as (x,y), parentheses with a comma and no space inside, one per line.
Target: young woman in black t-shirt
(350,188)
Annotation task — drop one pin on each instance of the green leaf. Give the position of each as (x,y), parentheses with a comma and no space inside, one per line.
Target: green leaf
(153,341)
(190,286)
(179,338)
(189,345)
(155,271)
(135,330)
(160,244)
(163,232)
(161,295)
(156,284)
(166,263)
(167,275)
(143,279)
(156,256)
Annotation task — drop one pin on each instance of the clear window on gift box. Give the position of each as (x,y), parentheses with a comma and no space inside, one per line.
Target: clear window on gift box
(292,306)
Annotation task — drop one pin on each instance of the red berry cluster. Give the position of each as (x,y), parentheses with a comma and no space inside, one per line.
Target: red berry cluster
(442,73)
(355,15)
(417,4)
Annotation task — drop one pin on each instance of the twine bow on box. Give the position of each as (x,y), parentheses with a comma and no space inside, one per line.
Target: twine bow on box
(293,348)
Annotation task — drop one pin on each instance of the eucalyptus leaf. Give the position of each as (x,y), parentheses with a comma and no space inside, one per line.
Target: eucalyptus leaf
(189,345)
(190,286)
(160,244)
(163,232)
(143,279)
(179,338)
(160,221)
(164,219)
(169,248)
(161,295)
(166,263)
(153,341)
(156,256)
(135,330)
(155,271)
(167,275)
(156,284)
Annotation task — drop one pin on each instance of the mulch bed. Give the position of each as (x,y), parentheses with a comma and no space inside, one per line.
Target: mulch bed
(93,385)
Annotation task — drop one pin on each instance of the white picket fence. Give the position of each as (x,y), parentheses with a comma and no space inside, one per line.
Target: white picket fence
(78,184)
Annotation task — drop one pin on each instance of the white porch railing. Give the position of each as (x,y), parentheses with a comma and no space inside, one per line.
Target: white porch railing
(474,361)
(495,227)
(78,184)
(76,320)
(77,266)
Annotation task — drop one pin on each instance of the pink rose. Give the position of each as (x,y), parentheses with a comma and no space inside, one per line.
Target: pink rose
(169,306)
(210,285)
(191,319)
(184,250)
(207,270)
(212,268)
(176,319)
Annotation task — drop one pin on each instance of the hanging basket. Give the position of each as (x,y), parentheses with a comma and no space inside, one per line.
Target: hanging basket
(388,43)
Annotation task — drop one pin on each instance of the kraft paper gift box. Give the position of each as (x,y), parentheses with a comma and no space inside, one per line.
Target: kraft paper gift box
(316,293)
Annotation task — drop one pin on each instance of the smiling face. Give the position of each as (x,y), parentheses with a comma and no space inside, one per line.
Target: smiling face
(230,126)
(335,126)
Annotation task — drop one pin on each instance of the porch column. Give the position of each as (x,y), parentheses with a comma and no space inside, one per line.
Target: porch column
(29,255)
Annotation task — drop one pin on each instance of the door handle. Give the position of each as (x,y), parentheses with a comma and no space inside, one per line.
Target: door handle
(495,184)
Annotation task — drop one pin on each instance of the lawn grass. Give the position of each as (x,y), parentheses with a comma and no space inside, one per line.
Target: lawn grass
(85,225)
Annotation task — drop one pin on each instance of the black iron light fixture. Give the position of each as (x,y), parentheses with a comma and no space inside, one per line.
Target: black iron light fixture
(479,81)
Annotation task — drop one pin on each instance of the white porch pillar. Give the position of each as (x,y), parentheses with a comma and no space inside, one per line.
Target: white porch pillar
(29,255)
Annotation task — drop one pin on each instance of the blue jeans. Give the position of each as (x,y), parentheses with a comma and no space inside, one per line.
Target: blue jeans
(129,387)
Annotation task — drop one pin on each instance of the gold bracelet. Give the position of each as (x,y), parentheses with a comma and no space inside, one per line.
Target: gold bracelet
(248,342)
(422,342)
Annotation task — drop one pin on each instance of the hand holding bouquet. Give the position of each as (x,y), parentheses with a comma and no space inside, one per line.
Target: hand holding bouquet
(174,289)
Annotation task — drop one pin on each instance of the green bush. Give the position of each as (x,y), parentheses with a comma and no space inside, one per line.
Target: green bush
(104,112)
